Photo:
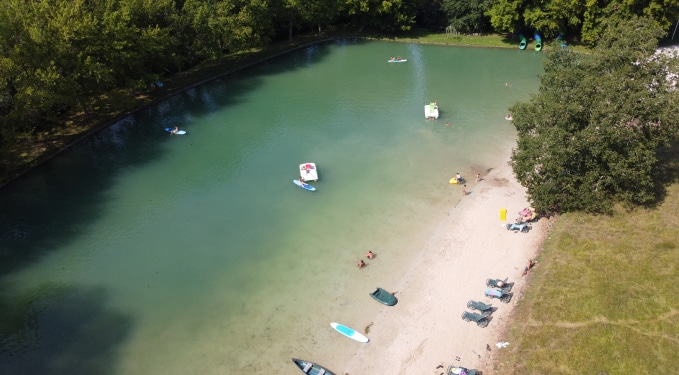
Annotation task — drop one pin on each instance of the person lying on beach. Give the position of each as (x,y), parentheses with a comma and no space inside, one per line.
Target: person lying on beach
(529,266)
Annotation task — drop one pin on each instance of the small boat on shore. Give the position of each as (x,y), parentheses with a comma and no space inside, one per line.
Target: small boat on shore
(382,296)
(538,42)
(311,368)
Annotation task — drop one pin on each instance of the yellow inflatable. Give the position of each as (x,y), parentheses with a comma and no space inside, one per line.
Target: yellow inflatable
(454,181)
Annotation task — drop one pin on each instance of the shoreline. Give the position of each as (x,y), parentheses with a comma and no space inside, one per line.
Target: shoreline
(424,329)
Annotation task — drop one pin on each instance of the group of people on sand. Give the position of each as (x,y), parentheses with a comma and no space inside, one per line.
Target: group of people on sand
(458,178)
(526,215)
(369,255)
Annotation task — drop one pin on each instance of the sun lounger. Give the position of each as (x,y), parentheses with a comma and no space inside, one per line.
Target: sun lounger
(457,370)
(480,306)
(503,295)
(480,319)
(500,284)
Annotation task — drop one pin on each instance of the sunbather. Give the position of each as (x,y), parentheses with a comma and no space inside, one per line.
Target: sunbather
(529,266)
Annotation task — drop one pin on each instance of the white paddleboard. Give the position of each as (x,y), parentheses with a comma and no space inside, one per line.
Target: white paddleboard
(348,332)
(179,132)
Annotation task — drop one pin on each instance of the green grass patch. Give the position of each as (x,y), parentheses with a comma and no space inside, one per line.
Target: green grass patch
(603,299)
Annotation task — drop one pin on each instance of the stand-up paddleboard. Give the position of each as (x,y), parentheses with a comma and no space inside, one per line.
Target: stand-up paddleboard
(180,132)
(348,332)
(303,185)
(402,60)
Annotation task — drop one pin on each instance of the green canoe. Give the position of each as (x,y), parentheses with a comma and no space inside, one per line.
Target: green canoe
(384,297)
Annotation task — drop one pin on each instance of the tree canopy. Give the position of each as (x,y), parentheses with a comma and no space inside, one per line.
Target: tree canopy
(591,136)
(580,19)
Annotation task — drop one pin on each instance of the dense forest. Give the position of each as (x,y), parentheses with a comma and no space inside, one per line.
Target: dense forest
(59,56)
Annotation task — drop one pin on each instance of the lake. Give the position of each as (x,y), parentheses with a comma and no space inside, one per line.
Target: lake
(140,252)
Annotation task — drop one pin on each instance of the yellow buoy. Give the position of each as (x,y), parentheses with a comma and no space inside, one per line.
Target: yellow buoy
(503,214)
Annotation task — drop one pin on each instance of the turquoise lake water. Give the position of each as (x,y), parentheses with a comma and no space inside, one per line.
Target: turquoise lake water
(137,252)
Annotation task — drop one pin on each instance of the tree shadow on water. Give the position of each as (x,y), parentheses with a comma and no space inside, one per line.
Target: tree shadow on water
(60,199)
(52,330)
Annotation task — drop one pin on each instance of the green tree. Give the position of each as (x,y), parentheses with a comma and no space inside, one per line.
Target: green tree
(468,16)
(591,136)
(387,15)
(242,24)
(583,19)
(506,16)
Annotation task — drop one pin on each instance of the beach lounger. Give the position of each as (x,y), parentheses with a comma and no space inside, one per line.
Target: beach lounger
(519,227)
(500,284)
(480,319)
(503,295)
(457,370)
(480,306)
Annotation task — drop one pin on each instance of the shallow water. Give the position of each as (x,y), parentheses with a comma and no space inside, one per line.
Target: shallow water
(137,252)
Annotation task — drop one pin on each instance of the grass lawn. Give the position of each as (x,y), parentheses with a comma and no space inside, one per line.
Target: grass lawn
(602,299)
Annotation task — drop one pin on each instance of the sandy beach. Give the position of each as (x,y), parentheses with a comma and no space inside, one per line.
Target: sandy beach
(424,333)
